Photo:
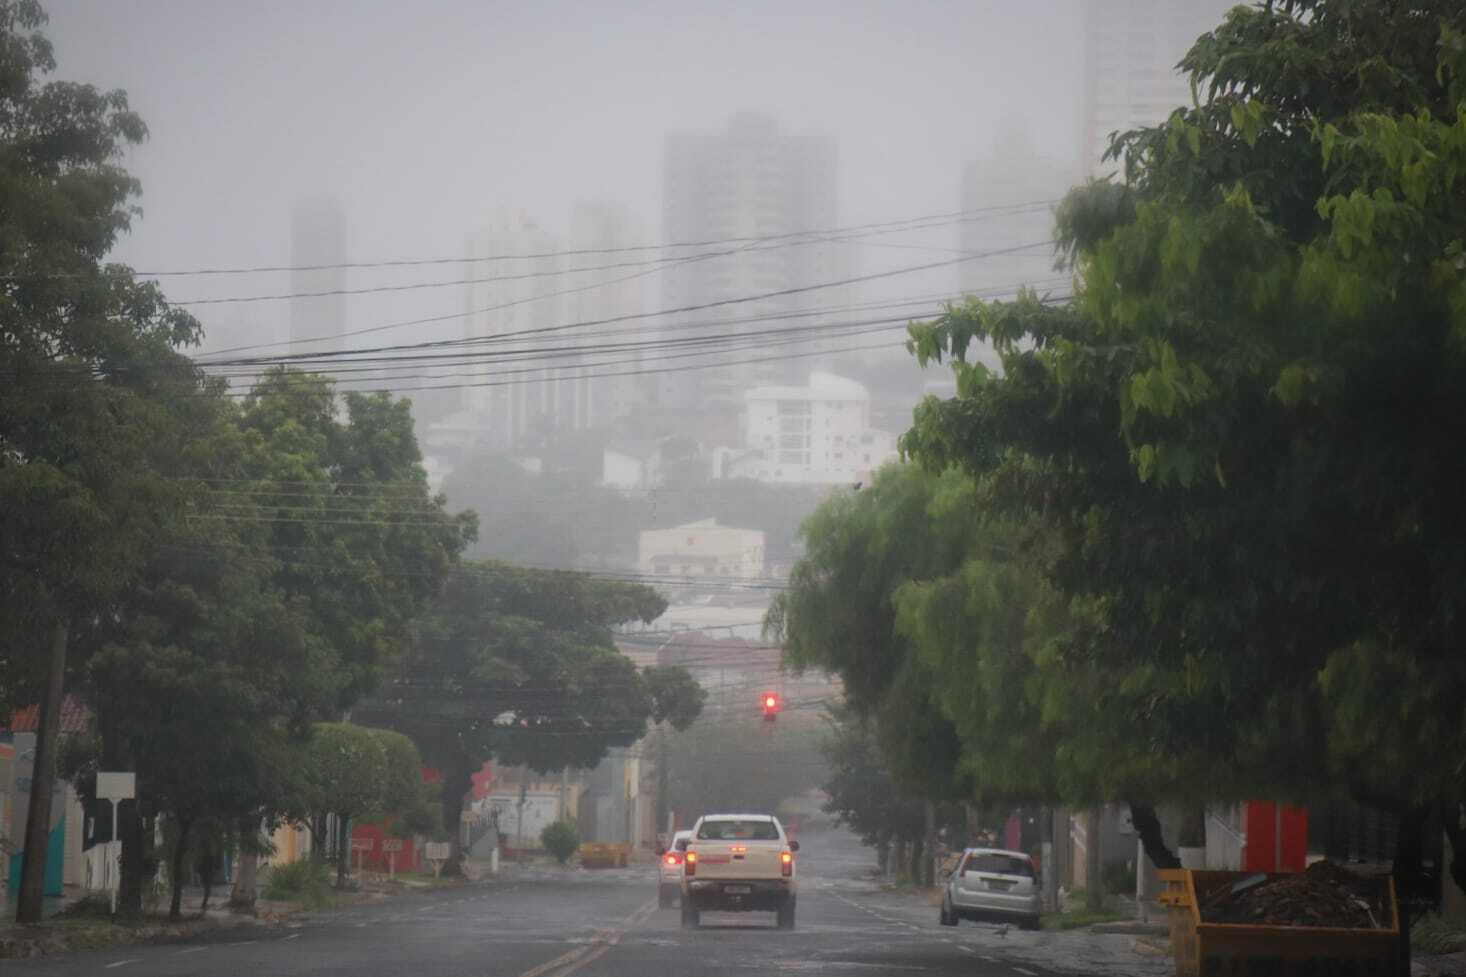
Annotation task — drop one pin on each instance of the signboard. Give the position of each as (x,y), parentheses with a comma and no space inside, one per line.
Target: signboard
(363,844)
(437,851)
(392,844)
(116,786)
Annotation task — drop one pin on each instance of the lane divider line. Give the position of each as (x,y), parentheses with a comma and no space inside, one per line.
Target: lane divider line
(123,963)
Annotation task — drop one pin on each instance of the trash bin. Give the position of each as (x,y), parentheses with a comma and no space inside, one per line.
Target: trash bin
(1212,949)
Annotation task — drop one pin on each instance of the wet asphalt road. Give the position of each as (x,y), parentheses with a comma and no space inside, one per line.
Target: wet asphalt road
(606,924)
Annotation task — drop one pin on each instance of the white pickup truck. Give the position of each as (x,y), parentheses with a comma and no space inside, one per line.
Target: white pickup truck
(739,863)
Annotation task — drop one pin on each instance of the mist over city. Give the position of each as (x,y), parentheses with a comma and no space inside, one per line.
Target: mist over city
(674,488)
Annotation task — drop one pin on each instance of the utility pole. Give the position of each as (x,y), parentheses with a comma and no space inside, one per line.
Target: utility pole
(43,780)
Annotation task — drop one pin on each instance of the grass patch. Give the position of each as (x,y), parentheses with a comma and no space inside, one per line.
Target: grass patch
(1433,935)
(1076,919)
(307,882)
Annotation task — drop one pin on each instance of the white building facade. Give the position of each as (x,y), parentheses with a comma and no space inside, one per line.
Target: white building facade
(702,549)
(818,434)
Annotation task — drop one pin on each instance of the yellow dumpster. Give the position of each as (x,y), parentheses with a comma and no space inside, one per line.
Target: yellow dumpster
(1203,948)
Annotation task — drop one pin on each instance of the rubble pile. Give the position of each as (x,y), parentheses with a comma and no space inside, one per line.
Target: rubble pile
(1325,895)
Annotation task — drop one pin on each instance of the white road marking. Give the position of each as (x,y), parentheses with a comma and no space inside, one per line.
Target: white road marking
(292,936)
(244,943)
(1030,973)
(192,949)
(968,949)
(124,963)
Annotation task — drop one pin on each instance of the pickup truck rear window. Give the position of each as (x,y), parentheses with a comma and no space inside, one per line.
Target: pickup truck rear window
(737,831)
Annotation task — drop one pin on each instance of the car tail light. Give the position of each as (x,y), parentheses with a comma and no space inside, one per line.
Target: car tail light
(673,858)
(786,862)
(692,863)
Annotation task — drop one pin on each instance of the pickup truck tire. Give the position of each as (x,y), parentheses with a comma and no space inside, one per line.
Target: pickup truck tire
(949,915)
(786,915)
(691,918)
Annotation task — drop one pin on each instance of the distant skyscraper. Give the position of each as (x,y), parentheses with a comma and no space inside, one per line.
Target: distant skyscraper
(1131,51)
(317,237)
(751,181)
(1008,202)
(604,229)
(514,400)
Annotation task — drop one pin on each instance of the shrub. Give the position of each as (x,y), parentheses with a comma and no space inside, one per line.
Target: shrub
(561,840)
(307,881)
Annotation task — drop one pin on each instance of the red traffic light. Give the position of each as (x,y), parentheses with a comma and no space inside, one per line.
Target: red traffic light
(771,705)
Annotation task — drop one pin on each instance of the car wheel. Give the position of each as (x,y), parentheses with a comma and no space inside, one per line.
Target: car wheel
(786,915)
(690,917)
(949,915)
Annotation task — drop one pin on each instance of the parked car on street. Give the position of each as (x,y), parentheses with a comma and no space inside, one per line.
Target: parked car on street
(669,870)
(994,885)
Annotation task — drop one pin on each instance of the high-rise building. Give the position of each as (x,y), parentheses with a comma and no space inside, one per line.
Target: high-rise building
(615,386)
(511,294)
(1008,205)
(1131,51)
(317,243)
(763,187)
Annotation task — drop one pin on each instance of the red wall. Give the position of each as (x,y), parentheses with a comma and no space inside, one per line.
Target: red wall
(376,859)
(1261,852)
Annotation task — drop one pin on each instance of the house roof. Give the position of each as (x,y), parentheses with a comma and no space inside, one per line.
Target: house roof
(75,717)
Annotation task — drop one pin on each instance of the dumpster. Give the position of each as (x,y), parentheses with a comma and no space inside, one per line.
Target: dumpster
(597,854)
(1204,948)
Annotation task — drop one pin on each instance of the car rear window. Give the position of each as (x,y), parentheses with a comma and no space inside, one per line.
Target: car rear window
(1000,864)
(729,830)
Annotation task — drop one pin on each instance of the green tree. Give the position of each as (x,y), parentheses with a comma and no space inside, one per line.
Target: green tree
(721,763)
(86,358)
(347,770)
(521,665)
(1235,437)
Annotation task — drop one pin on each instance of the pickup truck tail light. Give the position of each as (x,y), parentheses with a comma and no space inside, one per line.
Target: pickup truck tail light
(691,863)
(786,862)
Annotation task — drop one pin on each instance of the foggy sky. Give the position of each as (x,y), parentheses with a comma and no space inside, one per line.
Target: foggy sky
(421,119)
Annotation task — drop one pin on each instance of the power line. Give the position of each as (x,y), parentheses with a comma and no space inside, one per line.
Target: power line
(627,317)
(1015,209)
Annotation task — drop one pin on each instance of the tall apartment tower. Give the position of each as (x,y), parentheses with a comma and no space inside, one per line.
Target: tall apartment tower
(1008,202)
(757,183)
(1131,51)
(616,386)
(514,401)
(317,238)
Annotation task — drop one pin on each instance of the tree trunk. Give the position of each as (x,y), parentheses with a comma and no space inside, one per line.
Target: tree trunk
(320,850)
(918,852)
(1148,827)
(43,782)
(900,859)
(133,868)
(883,856)
(175,907)
(246,884)
(343,850)
(456,783)
(1408,870)
(929,845)
(1094,889)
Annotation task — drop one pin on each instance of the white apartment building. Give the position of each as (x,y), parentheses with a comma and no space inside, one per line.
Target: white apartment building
(752,181)
(1130,77)
(317,237)
(702,549)
(818,434)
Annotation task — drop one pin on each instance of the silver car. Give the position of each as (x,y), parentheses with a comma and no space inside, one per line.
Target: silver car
(995,885)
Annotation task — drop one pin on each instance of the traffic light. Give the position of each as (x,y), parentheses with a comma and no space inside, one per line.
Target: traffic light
(771,705)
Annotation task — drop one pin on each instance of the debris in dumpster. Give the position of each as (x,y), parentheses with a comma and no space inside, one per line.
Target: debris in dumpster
(1326,895)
